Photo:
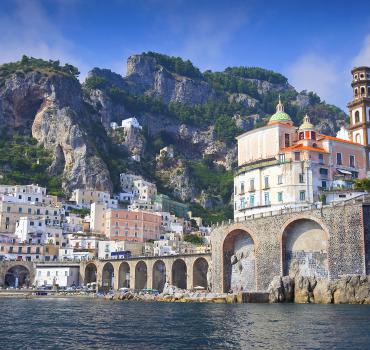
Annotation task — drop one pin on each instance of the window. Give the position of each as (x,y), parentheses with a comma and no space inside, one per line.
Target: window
(313,135)
(323,184)
(352,161)
(297,156)
(267,198)
(280,196)
(242,203)
(339,158)
(306,134)
(323,171)
(19,250)
(266,182)
(29,210)
(302,196)
(301,178)
(8,209)
(251,185)
(287,140)
(235,190)
(356,92)
(362,91)
(357,117)
(281,158)
(66,273)
(251,200)
(241,187)
(321,158)
(19,210)
(280,179)
(301,135)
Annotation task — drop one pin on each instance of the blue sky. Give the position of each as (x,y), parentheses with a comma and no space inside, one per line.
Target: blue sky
(314,43)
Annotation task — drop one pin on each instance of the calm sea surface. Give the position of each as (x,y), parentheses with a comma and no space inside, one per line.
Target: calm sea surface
(100,324)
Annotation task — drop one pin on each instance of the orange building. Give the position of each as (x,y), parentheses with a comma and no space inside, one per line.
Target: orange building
(137,226)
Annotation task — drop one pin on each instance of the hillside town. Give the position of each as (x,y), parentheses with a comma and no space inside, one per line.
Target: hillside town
(294,169)
(136,222)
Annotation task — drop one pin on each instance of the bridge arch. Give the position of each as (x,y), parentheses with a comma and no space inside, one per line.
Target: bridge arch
(200,273)
(141,275)
(159,275)
(304,248)
(124,275)
(108,276)
(90,273)
(239,261)
(179,274)
(17,276)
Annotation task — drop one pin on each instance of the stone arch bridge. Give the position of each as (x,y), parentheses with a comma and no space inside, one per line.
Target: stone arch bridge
(323,243)
(183,271)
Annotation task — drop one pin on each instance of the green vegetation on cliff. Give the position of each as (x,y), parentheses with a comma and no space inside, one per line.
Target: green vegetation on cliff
(23,162)
(28,64)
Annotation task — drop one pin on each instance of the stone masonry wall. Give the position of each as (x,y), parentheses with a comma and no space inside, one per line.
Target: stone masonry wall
(344,226)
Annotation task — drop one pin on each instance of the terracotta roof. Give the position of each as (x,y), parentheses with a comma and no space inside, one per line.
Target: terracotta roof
(299,147)
(326,137)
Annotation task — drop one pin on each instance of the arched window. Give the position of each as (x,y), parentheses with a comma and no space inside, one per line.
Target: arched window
(357,117)
(358,138)
(362,91)
(356,92)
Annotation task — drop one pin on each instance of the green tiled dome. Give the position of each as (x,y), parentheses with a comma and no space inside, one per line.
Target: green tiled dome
(280,117)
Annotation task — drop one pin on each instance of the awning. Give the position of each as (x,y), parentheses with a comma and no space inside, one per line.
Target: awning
(344,172)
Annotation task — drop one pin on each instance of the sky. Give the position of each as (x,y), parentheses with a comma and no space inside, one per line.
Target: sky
(314,43)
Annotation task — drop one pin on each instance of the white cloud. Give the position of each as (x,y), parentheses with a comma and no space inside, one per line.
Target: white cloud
(363,57)
(28,30)
(322,75)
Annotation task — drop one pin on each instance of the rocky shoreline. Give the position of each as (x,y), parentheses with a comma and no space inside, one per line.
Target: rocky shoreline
(348,289)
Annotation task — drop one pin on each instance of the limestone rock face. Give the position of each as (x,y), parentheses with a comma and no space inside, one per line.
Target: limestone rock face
(156,81)
(351,289)
(323,292)
(51,106)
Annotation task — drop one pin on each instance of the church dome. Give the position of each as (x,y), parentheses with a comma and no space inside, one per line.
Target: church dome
(306,125)
(280,115)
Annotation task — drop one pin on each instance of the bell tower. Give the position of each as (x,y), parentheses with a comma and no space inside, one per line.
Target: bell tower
(359,109)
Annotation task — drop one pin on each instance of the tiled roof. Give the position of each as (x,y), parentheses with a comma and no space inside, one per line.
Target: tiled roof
(299,147)
(326,137)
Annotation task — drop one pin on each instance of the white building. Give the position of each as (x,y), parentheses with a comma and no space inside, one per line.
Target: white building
(39,231)
(70,254)
(57,275)
(127,124)
(124,249)
(137,188)
(84,198)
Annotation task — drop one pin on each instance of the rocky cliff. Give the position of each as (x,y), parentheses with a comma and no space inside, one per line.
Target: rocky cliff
(198,113)
(50,106)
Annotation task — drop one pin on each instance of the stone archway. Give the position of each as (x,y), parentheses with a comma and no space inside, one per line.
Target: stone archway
(141,275)
(304,249)
(200,272)
(90,273)
(159,275)
(239,262)
(179,275)
(17,276)
(124,275)
(108,276)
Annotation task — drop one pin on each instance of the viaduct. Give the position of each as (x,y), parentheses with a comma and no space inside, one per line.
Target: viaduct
(245,256)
